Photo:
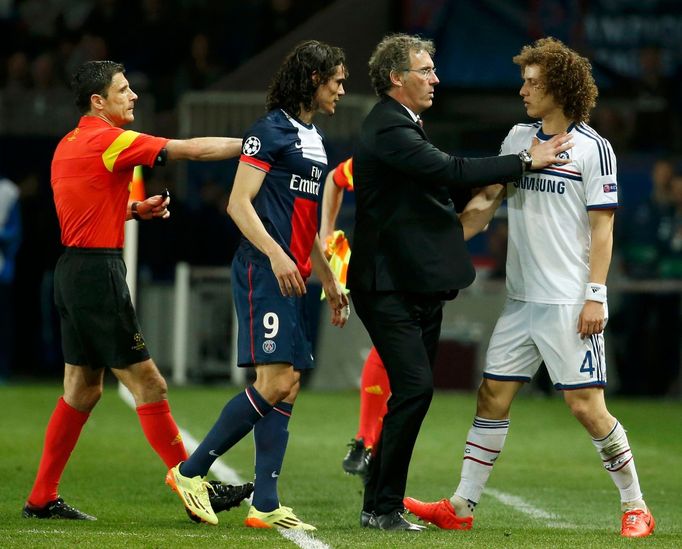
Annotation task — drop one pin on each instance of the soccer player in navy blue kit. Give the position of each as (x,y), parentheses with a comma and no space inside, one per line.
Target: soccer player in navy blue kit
(274,202)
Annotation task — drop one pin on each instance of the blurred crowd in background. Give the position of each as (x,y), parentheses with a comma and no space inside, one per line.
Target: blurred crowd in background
(171,47)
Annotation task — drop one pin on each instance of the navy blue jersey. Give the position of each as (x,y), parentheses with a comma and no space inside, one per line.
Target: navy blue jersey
(293,157)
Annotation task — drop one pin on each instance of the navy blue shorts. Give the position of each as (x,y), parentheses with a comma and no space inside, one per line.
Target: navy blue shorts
(272,328)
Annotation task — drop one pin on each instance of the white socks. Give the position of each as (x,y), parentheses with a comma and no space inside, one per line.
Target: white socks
(615,452)
(483,446)
(485,441)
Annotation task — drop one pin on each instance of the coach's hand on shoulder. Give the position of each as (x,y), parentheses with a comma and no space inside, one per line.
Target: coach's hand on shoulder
(549,152)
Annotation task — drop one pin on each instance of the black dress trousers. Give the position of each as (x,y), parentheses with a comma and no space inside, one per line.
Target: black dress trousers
(405,328)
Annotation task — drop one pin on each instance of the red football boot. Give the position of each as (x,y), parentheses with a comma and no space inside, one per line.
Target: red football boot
(441,513)
(637,524)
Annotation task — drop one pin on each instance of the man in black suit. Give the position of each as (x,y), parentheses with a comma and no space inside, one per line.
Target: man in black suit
(409,254)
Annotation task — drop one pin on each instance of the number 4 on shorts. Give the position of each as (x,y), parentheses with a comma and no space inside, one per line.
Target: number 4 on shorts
(586,366)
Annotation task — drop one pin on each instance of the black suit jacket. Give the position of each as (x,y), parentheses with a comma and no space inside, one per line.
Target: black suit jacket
(407,235)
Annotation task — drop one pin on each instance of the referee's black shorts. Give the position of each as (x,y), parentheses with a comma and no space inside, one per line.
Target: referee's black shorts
(98,323)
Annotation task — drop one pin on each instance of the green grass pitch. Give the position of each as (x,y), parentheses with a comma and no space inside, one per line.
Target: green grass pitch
(548,462)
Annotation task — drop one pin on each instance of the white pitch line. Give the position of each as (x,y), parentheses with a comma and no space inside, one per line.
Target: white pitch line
(300,538)
(112,533)
(550,519)
(225,473)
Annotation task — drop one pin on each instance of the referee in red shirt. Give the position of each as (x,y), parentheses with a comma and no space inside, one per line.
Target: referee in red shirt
(91,172)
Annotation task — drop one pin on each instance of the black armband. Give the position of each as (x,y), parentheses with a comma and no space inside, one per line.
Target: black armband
(161,158)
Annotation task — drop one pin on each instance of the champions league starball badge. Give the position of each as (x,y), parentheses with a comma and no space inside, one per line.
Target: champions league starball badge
(251,146)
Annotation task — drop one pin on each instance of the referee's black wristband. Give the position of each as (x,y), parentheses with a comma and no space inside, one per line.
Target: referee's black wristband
(133,211)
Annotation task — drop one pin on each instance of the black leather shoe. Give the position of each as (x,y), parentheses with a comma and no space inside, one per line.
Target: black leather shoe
(57,509)
(358,458)
(394,521)
(365,518)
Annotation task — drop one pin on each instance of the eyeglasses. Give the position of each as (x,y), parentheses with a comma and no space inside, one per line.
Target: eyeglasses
(424,73)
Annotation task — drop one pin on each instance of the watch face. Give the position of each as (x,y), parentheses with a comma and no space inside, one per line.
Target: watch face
(527,159)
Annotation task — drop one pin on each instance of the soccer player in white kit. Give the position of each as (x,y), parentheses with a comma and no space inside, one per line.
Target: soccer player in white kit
(559,251)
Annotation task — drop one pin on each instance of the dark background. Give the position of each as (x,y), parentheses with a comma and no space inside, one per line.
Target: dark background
(173,47)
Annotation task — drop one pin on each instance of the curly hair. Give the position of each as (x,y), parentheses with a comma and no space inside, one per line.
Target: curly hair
(93,77)
(566,76)
(293,86)
(393,54)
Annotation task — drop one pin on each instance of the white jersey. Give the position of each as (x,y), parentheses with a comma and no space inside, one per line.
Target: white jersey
(549,228)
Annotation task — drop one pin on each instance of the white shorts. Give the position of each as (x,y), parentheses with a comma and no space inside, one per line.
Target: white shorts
(526,334)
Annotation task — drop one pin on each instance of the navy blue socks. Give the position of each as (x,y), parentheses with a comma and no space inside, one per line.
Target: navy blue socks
(234,423)
(271,438)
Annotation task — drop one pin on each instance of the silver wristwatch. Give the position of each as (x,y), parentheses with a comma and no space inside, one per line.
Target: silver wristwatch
(526,160)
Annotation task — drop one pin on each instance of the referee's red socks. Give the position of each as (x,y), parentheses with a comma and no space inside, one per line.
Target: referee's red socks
(61,435)
(374,394)
(162,433)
